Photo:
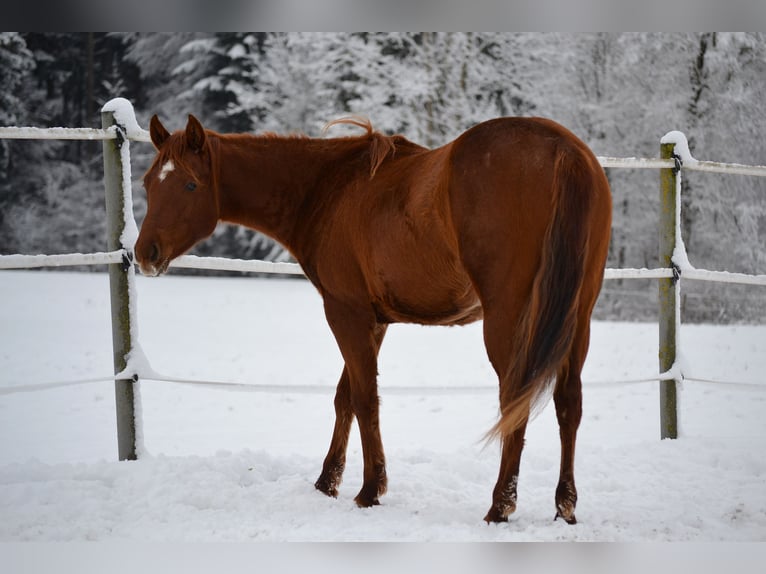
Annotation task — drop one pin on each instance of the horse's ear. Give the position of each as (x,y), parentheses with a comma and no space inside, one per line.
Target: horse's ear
(195,134)
(157,131)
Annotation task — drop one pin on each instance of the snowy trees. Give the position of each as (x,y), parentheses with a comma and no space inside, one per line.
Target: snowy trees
(433,86)
(429,86)
(15,61)
(57,80)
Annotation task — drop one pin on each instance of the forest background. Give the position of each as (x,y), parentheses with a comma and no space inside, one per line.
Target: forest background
(619,92)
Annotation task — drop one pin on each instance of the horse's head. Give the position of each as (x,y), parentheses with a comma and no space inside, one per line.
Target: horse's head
(181,194)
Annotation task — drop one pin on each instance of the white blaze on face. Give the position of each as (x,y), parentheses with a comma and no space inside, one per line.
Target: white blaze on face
(166,169)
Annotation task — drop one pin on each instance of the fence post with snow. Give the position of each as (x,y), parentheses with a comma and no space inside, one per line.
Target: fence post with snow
(668,291)
(119,238)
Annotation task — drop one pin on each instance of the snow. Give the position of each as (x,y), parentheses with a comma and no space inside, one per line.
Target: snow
(678,139)
(681,149)
(680,257)
(223,465)
(129,234)
(125,117)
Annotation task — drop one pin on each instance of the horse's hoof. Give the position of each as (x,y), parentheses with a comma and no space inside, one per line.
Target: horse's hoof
(569,520)
(566,500)
(329,479)
(497,515)
(366,502)
(325,487)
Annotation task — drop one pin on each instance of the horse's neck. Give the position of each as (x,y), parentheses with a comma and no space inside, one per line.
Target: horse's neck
(264,181)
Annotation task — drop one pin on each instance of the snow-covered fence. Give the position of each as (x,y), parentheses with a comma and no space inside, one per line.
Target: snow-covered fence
(675,157)
(120,128)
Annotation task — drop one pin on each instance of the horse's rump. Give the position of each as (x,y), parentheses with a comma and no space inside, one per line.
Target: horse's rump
(552,192)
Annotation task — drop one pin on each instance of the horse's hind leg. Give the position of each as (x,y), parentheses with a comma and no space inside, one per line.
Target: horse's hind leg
(504,493)
(567,397)
(499,338)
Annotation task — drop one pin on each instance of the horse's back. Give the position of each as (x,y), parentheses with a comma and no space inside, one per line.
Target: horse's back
(514,148)
(417,235)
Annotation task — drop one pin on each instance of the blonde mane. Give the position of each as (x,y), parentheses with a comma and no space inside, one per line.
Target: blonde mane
(380,144)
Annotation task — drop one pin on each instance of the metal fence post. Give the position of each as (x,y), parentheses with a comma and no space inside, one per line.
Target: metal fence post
(667,295)
(120,290)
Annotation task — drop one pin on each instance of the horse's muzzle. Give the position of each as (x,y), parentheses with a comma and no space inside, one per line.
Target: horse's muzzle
(150,259)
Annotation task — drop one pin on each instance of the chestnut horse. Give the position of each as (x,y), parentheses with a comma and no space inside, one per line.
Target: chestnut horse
(509,223)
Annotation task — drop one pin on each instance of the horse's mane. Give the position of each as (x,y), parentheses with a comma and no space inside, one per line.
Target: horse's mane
(380,144)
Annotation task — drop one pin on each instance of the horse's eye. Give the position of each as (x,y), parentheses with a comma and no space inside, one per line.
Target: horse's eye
(191,186)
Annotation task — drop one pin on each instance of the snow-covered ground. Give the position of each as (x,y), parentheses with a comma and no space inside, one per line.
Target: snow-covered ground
(239,465)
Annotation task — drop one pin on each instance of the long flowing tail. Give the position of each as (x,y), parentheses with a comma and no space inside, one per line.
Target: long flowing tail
(548,324)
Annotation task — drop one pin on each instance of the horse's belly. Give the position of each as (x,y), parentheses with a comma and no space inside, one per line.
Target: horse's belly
(413,269)
(427,300)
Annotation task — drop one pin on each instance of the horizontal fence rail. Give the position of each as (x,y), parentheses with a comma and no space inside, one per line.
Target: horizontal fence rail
(63,260)
(412,390)
(120,127)
(286,268)
(706,166)
(71,134)
(243,265)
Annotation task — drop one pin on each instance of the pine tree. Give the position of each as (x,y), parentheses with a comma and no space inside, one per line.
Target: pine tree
(168,73)
(16,61)
(73,75)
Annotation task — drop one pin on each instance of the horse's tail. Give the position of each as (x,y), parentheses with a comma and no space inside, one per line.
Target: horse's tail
(548,324)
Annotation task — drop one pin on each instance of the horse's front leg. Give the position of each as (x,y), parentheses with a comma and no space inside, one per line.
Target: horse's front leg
(335,461)
(359,338)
